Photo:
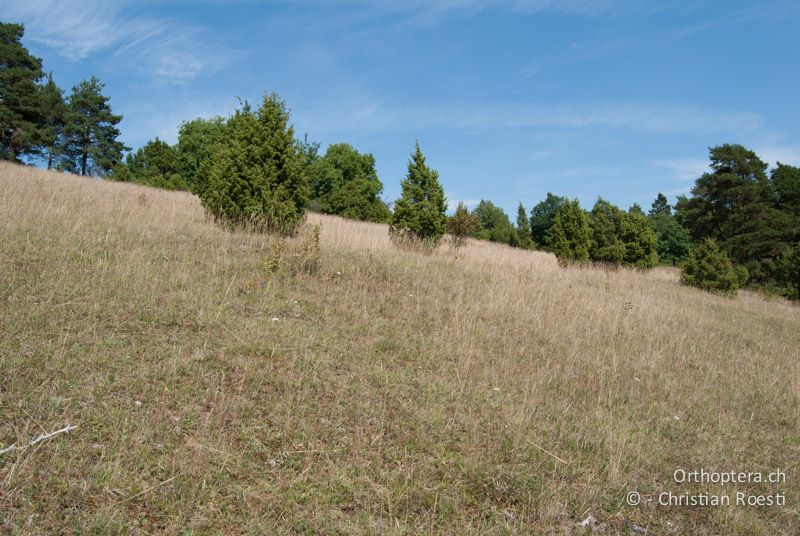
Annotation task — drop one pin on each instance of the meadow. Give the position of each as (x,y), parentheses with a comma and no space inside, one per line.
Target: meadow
(238,383)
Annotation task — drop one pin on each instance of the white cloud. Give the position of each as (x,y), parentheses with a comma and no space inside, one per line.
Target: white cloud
(168,50)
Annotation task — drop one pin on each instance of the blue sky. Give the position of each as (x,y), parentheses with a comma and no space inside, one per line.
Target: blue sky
(509,99)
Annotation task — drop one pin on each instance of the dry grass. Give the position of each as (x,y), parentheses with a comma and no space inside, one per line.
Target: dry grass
(219,385)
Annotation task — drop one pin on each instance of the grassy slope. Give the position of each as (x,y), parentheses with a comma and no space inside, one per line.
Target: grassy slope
(388,393)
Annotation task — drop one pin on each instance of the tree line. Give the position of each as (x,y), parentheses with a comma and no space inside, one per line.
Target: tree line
(77,133)
(739,226)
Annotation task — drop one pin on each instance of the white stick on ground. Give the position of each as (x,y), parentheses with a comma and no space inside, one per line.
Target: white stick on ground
(38,439)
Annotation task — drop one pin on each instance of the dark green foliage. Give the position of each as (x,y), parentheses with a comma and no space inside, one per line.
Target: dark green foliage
(344,182)
(636,208)
(254,177)
(524,229)
(735,205)
(674,241)
(462,224)
(494,224)
(53,117)
(19,95)
(419,214)
(92,147)
(622,237)
(196,141)
(156,164)
(660,207)
(787,272)
(606,224)
(737,179)
(641,243)
(708,267)
(542,218)
(570,236)
(742,276)
(786,184)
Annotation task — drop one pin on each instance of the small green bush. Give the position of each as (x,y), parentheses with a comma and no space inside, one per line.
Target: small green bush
(708,267)
(461,225)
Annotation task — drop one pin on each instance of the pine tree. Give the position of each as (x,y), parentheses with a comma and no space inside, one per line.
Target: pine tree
(91,131)
(570,235)
(735,205)
(254,176)
(19,74)
(53,117)
(419,214)
(660,207)
(785,181)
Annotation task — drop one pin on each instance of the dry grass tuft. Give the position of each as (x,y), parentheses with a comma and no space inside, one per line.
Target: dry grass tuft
(239,383)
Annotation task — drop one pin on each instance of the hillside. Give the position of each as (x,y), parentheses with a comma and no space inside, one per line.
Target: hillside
(220,383)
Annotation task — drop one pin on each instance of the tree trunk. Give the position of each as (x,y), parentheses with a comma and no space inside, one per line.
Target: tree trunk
(84,159)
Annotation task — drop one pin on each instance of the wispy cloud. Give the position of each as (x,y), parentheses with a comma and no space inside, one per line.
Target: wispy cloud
(569,7)
(683,169)
(363,113)
(774,154)
(167,49)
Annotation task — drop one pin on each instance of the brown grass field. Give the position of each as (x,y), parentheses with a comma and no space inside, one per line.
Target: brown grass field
(232,383)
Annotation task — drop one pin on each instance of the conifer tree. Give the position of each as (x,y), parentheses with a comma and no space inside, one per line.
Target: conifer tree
(419,214)
(639,239)
(53,117)
(636,208)
(524,228)
(660,207)
(542,218)
(91,130)
(570,235)
(735,205)
(674,240)
(19,74)
(254,176)
(708,267)
(606,224)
